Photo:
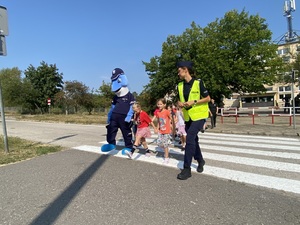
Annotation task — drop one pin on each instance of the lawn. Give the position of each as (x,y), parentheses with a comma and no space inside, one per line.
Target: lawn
(71,118)
(20,149)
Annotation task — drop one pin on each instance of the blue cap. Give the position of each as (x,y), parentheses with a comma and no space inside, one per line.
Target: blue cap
(116,73)
(187,64)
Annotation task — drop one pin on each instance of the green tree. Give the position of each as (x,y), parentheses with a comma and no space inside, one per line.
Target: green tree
(232,54)
(145,100)
(46,81)
(88,102)
(105,95)
(11,83)
(296,66)
(76,94)
(135,94)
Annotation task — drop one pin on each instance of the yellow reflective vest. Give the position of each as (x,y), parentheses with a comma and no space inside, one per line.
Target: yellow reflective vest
(197,111)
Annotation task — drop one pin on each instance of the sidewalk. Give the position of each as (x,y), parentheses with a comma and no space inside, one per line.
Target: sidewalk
(262,126)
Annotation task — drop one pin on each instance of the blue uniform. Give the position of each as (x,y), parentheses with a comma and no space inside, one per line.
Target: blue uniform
(119,117)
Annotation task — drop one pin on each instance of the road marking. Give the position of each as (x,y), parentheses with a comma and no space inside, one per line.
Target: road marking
(282,166)
(276,153)
(249,137)
(286,155)
(272,151)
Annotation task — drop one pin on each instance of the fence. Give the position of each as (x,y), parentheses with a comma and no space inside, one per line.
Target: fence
(254,112)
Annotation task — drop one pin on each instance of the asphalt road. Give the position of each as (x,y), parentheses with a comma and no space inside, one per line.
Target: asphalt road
(75,187)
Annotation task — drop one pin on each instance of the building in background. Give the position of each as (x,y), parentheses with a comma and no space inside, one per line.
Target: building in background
(276,95)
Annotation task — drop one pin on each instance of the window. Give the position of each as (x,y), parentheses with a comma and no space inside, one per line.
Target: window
(283,51)
(269,89)
(284,88)
(249,100)
(266,99)
(286,58)
(283,96)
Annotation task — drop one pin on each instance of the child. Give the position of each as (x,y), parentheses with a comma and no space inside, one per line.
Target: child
(142,121)
(180,126)
(164,127)
(173,123)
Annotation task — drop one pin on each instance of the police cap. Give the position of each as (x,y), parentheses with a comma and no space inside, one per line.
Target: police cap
(187,64)
(116,73)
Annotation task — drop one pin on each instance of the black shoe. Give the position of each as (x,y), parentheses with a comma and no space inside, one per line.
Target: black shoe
(200,166)
(185,174)
(202,131)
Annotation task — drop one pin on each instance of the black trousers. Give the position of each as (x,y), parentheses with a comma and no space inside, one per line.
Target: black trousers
(213,119)
(287,109)
(118,121)
(192,148)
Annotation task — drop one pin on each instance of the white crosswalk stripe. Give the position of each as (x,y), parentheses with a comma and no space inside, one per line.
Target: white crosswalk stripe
(272,162)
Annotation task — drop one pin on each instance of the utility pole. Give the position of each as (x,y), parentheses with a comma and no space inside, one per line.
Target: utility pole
(293,98)
(3,33)
(3,122)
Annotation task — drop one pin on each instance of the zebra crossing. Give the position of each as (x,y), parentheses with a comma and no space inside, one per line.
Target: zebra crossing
(271,162)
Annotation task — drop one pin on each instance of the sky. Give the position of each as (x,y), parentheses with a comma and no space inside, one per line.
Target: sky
(88,39)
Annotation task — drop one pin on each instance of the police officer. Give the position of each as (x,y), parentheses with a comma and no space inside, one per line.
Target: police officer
(193,99)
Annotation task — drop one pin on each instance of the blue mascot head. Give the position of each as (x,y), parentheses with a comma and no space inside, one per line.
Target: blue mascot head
(119,82)
(118,79)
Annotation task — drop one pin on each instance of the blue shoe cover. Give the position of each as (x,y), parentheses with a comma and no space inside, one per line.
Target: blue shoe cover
(124,150)
(107,147)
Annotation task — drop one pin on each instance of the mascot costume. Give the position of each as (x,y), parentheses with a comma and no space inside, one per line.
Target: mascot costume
(120,113)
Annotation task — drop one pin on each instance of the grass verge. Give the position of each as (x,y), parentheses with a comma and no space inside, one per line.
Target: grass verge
(20,149)
(71,118)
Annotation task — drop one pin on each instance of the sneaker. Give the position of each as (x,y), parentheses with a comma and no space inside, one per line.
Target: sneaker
(166,161)
(129,154)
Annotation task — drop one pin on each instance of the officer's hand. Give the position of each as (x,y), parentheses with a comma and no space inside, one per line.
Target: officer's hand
(130,124)
(181,104)
(186,104)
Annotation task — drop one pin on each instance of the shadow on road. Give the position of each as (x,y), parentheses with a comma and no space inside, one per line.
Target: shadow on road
(53,211)
(60,138)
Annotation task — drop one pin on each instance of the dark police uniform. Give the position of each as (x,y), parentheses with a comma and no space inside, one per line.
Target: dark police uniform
(192,148)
